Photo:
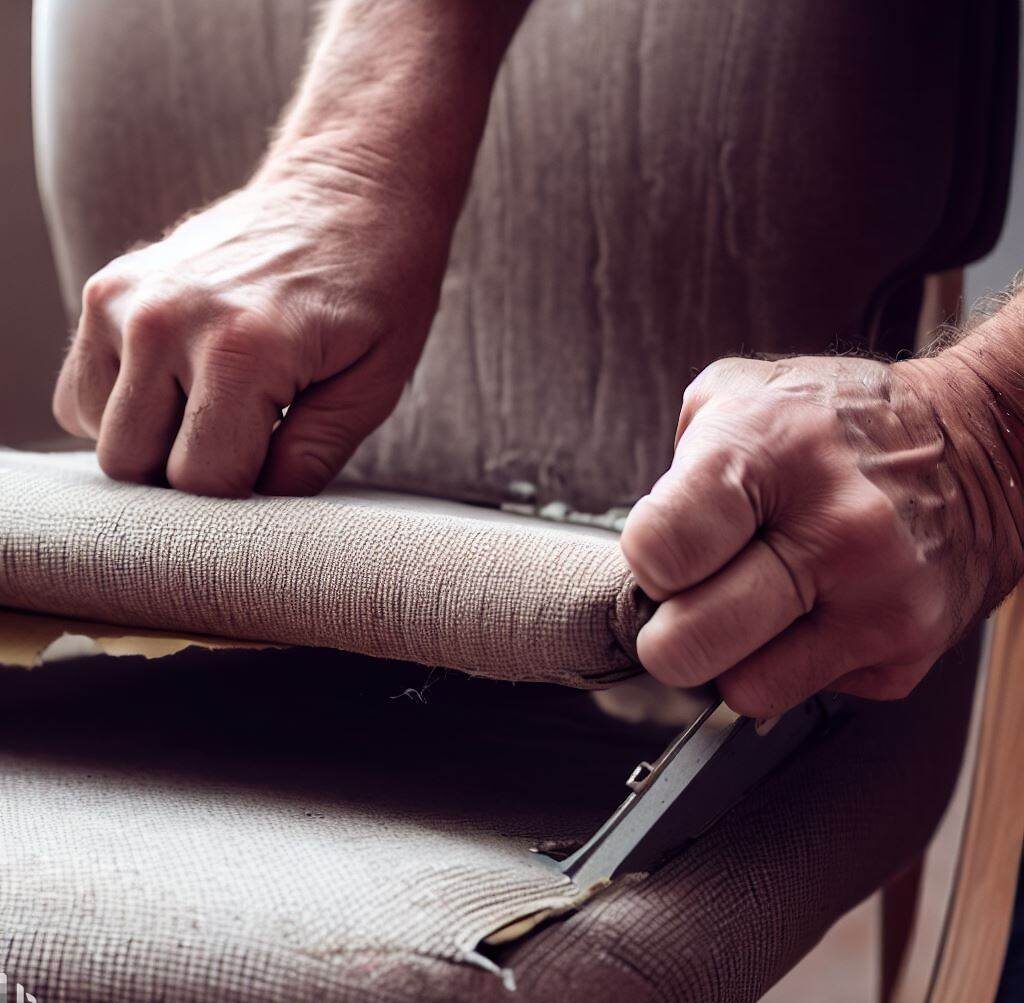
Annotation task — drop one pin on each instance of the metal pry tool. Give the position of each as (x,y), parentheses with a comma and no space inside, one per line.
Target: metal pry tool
(704,771)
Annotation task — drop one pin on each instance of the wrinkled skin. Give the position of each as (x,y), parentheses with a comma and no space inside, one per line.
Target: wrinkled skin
(814,531)
(293,291)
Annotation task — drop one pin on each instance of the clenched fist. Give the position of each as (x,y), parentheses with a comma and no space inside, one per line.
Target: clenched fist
(312,291)
(826,523)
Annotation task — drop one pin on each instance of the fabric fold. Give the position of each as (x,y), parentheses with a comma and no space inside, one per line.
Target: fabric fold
(376,573)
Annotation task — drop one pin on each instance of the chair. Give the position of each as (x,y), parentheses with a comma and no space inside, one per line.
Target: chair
(659,184)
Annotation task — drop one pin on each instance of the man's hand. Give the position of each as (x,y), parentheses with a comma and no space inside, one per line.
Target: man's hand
(310,289)
(826,523)
(314,295)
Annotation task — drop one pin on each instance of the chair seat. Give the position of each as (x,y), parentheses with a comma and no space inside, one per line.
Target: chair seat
(268,825)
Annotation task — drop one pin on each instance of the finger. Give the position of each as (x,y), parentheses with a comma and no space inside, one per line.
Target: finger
(697,517)
(145,407)
(83,387)
(326,424)
(91,366)
(222,441)
(696,635)
(140,422)
(803,660)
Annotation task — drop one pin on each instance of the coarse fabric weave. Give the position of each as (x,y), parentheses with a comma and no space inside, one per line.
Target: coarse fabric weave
(386,575)
(259,827)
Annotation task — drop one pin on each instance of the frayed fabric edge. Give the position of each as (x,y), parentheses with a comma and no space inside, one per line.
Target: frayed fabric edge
(506,975)
(522,926)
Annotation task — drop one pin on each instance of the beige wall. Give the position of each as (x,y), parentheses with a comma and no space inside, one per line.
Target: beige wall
(32,332)
(994,273)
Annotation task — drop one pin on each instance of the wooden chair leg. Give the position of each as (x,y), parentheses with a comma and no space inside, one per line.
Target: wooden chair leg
(900,899)
(980,910)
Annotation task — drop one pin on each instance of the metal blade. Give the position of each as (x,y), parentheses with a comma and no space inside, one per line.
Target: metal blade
(703,772)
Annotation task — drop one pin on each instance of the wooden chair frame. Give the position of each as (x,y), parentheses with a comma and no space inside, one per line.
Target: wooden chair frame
(967,962)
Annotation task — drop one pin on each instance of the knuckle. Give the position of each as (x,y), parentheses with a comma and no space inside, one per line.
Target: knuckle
(648,546)
(879,514)
(729,375)
(701,388)
(242,340)
(717,369)
(733,467)
(98,291)
(870,526)
(731,475)
(161,305)
(149,322)
(722,370)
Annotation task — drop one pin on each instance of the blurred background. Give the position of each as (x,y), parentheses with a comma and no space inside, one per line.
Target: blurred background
(33,325)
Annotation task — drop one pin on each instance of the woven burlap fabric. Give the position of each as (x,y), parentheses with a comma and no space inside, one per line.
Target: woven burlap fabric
(385,575)
(288,825)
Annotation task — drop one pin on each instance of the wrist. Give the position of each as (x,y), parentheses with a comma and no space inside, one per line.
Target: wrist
(979,429)
(398,94)
(338,170)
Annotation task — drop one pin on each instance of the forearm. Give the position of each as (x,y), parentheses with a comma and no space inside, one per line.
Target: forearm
(401,85)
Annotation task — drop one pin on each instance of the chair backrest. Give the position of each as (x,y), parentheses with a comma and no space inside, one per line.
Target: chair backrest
(661,182)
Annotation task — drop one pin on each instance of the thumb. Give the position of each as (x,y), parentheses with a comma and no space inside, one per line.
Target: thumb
(326,424)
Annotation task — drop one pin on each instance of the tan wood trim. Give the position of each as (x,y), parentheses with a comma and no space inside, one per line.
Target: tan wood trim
(968,962)
(900,903)
(970,956)
(941,305)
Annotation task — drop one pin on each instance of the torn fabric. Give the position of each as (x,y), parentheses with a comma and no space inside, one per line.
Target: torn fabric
(28,640)
(264,826)
(241,811)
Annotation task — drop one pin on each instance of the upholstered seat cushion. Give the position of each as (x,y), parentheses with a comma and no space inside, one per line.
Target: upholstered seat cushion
(394,576)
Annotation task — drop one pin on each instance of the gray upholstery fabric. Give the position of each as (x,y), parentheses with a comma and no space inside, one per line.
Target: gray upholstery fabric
(386,575)
(288,825)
